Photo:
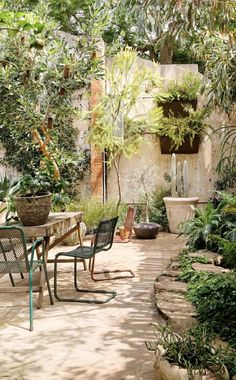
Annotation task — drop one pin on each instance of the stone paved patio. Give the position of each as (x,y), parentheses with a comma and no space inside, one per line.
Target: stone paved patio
(85,341)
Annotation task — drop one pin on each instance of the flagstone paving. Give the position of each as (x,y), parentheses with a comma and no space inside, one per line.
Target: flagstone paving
(87,341)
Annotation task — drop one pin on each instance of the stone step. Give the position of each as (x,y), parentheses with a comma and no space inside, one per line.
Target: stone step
(208,255)
(170,286)
(209,268)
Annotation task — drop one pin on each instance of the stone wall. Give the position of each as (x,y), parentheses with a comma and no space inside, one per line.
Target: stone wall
(202,166)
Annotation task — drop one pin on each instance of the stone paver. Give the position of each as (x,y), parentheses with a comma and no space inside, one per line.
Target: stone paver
(169,284)
(209,268)
(87,341)
(211,256)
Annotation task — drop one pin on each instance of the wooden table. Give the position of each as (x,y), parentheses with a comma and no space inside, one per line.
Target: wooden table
(56,225)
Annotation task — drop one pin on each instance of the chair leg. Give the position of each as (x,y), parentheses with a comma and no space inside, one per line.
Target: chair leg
(93,272)
(12,281)
(110,293)
(31,298)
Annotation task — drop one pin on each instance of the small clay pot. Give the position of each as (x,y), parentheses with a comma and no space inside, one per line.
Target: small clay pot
(146,230)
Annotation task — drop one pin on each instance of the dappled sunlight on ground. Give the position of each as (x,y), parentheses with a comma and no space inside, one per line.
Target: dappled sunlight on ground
(88,341)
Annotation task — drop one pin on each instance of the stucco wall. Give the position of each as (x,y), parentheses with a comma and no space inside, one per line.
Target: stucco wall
(152,164)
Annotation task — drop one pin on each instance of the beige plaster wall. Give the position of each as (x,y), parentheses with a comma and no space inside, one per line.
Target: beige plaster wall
(152,164)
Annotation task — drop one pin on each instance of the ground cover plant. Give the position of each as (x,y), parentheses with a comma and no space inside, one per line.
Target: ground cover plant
(214,296)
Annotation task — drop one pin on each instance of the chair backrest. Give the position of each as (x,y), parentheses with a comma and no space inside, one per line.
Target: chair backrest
(129,220)
(13,250)
(104,235)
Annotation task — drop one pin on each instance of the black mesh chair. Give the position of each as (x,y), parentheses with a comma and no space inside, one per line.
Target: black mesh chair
(102,242)
(14,258)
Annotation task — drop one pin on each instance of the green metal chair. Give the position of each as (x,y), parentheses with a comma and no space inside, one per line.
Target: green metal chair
(102,242)
(16,258)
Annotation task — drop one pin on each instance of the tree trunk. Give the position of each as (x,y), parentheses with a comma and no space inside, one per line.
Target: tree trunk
(166,51)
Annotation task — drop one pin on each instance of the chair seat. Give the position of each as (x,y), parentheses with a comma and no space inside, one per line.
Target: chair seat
(81,252)
(17,266)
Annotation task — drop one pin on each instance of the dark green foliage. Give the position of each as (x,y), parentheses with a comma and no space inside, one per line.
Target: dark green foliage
(206,221)
(229,360)
(229,255)
(157,211)
(214,297)
(186,261)
(210,222)
(194,350)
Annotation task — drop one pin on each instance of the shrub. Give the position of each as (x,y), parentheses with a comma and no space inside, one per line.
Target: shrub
(158,209)
(214,297)
(94,211)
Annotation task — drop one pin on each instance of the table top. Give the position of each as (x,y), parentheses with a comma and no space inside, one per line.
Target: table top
(57,221)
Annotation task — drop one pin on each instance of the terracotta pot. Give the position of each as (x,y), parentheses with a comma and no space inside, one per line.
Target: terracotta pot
(33,211)
(146,230)
(178,211)
(186,148)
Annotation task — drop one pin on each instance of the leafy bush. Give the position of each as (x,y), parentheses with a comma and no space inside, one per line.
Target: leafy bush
(210,222)
(206,221)
(157,207)
(229,255)
(214,297)
(94,211)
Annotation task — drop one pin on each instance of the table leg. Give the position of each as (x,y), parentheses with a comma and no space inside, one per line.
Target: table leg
(42,276)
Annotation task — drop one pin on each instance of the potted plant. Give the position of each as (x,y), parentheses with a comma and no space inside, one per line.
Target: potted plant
(190,356)
(182,123)
(32,198)
(179,94)
(147,229)
(178,205)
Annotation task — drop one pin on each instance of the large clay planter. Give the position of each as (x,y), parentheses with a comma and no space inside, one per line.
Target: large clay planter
(146,230)
(167,371)
(33,211)
(178,211)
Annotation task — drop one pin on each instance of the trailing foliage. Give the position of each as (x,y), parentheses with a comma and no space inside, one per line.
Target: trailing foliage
(178,129)
(188,88)
(215,300)
(186,261)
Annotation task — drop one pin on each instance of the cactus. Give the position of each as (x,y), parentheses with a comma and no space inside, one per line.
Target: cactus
(179,179)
